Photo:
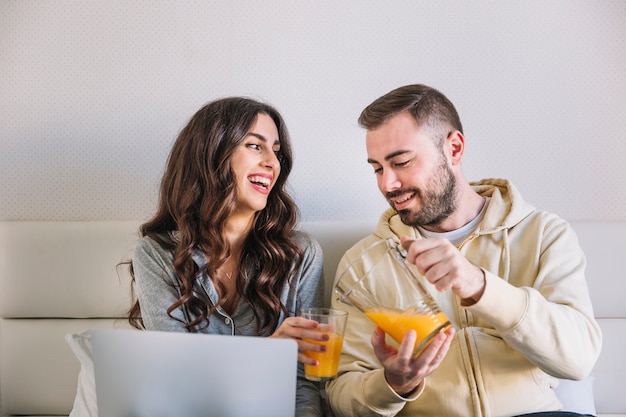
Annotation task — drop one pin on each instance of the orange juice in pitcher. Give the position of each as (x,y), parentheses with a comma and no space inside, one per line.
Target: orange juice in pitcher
(380,284)
(396,323)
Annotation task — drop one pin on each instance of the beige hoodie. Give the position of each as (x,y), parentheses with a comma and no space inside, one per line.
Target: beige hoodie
(533,324)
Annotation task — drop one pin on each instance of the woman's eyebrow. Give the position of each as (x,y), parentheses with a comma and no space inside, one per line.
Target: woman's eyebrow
(258,136)
(263,138)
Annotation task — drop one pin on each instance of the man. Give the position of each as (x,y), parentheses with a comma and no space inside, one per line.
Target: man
(509,277)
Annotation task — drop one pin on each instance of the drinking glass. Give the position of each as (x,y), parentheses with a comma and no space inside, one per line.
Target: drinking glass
(332,322)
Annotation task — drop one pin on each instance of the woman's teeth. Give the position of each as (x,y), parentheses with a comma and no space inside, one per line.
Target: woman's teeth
(262,181)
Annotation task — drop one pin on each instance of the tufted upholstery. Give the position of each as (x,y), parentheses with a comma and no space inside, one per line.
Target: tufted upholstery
(61,277)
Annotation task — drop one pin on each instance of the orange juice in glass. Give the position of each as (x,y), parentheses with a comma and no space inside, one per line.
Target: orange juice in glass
(333,323)
(327,361)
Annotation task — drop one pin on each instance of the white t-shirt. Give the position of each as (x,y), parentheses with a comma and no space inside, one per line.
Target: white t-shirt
(456,237)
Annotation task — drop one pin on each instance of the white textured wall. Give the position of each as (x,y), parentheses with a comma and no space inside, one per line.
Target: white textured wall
(92,94)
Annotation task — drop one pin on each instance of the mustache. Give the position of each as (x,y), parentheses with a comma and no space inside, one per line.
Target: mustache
(397,193)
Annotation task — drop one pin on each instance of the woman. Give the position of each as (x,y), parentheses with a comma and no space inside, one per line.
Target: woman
(221,255)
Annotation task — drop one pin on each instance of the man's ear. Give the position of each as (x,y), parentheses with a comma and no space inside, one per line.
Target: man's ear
(455,146)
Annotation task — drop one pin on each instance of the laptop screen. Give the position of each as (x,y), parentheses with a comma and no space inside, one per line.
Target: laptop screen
(169,374)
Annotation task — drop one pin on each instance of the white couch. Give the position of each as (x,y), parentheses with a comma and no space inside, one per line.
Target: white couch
(61,277)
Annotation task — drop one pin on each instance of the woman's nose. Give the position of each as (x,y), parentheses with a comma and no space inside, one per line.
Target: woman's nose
(271,160)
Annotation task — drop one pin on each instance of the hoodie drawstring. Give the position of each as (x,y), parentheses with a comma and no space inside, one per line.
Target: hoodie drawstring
(506,255)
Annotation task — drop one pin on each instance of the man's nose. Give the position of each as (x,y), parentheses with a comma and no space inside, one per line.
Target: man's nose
(389,181)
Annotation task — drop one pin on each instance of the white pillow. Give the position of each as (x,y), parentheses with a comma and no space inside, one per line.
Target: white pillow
(577,396)
(85,404)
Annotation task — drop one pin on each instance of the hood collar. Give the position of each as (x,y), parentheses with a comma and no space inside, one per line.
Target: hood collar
(506,209)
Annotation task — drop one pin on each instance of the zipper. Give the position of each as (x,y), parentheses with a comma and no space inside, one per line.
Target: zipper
(467,240)
(466,334)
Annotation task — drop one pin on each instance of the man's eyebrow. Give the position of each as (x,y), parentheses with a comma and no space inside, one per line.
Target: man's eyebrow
(388,157)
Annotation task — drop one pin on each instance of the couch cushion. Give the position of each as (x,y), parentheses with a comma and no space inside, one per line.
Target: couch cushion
(335,238)
(64,269)
(39,372)
(604,244)
(610,370)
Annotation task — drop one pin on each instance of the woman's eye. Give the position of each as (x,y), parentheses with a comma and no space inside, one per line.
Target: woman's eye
(254,146)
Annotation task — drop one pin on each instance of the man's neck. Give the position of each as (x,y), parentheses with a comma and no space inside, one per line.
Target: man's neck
(468,207)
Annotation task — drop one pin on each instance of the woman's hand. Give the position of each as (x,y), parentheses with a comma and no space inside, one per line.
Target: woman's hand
(298,329)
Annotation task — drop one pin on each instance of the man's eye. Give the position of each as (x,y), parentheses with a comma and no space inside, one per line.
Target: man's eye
(378,170)
(401,164)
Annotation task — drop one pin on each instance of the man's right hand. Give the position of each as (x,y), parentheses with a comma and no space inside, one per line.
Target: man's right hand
(403,371)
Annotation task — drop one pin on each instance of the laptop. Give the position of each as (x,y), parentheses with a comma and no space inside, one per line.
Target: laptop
(170,374)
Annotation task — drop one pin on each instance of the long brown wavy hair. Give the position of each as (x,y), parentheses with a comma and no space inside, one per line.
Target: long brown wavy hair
(197,195)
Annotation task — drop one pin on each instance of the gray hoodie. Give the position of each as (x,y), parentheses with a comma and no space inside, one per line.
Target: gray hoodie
(158,287)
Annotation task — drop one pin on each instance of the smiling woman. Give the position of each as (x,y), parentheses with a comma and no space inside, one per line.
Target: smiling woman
(221,255)
(256,166)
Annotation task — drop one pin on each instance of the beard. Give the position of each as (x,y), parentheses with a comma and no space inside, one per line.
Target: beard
(438,202)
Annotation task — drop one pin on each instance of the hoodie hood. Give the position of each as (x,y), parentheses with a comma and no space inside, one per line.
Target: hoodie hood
(506,209)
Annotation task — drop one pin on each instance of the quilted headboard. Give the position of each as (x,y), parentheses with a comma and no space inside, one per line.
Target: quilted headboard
(61,277)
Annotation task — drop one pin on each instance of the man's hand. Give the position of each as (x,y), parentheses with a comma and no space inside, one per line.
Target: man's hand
(404,371)
(446,268)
